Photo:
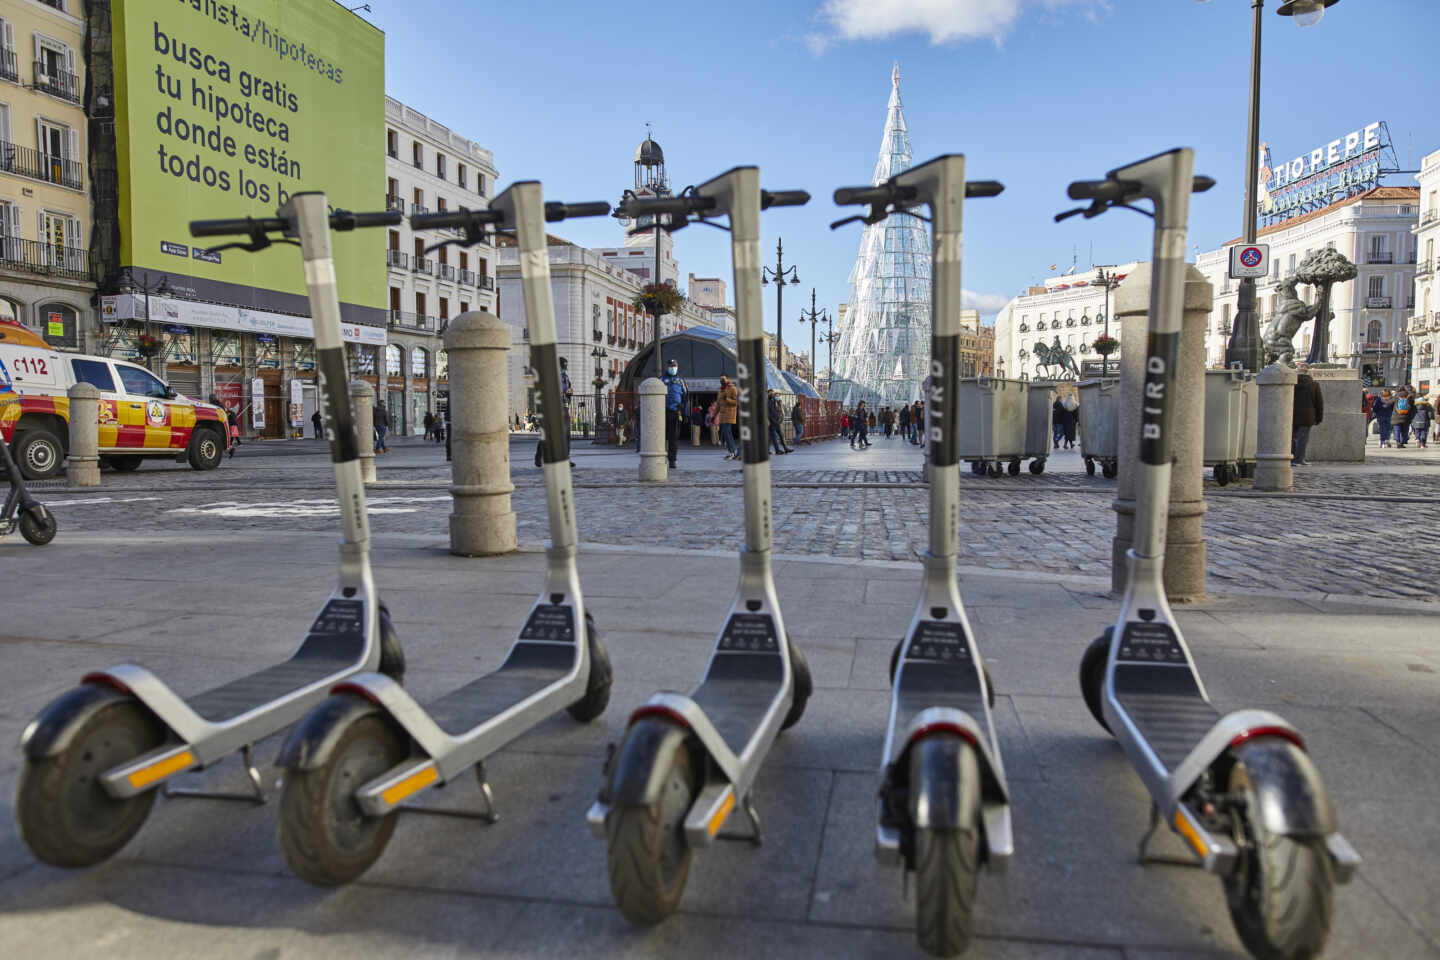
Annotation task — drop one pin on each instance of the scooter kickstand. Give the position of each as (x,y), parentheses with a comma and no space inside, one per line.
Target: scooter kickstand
(256,795)
(755,837)
(1146,857)
(489,815)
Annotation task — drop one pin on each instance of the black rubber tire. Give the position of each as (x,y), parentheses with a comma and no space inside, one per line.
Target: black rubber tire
(1222,473)
(1037,467)
(947,865)
(206,450)
(993,469)
(1090,466)
(1110,470)
(1281,895)
(804,685)
(1092,675)
(977,467)
(392,654)
(646,851)
(66,818)
(325,837)
(39,453)
(125,462)
(1245,469)
(38,526)
(597,686)
(1014,468)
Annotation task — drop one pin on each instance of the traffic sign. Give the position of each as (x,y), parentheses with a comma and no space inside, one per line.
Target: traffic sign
(1249,260)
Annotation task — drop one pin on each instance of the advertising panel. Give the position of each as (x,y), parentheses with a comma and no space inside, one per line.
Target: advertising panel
(226,109)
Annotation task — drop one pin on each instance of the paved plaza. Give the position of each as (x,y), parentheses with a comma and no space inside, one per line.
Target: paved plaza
(203,577)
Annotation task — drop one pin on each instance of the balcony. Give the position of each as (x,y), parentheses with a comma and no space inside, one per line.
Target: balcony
(444,271)
(1378,303)
(487,282)
(1425,268)
(9,66)
(393,152)
(467,277)
(398,259)
(1380,256)
(424,265)
(56,82)
(401,318)
(394,203)
(41,166)
(44,258)
(417,209)
(419,163)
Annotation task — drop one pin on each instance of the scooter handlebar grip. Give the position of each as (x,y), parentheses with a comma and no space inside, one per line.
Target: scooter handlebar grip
(345,220)
(984,188)
(845,196)
(783,198)
(1202,183)
(1085,189)
(224,228)
(561,211)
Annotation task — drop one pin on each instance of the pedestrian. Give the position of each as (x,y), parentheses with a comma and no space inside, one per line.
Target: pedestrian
(712,424)
(382,426)
(1420,423)
(887,419)
(917,423)
(905,421)
(1402,414)
(566,395)
(675,406)
(447,430)
(797,420)
(1381,408)
(622,420)
(1057,423)
(319,423)
(873,423)
(774,416)
(862,419)
(845,426)
(1071,408)
(697,422)
(429,424)
(1309,412)
(727,404)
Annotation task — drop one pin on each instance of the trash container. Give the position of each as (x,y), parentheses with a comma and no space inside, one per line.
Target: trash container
(1100,425)
(1230,399)
(994,417)
(1039,424)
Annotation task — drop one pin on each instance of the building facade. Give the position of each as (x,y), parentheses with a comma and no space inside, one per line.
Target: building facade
(1424,320)
(1070,308)
(46,280)
(428,168)
(1374,230)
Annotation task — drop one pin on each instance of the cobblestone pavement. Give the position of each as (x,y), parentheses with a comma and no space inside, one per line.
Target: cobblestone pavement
(1333,536)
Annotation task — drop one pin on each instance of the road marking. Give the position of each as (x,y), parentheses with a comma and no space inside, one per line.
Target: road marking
(76,503)
(304,508)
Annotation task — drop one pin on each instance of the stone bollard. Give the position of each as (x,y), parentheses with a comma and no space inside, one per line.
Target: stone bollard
(1272,435)
(654,468)
(482,523)
(362,405)
(83,468)
(1184,541)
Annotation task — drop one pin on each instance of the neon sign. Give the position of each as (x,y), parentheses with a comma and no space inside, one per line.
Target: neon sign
(1326,175)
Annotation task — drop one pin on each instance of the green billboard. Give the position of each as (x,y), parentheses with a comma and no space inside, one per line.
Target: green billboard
(225,109)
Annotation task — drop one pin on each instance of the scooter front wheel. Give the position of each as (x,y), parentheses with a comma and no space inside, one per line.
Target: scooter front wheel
(647,853)
(38,526)
(1281,895)
(597,686)
(1092,675)
(804,685)
(65,816)
(327,839)
(947,859)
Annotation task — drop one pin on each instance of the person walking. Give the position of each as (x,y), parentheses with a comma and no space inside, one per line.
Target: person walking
(429,424)
(905,421)
(775,417)
(1309,412)
(622,418)
(797,420)
(1402,414)
(845,426)
(1381,408)
(1070,418)
(382,426)
(1420,423)
(675,406)
(917,423)
(319,424)
(1057,423)
(727,405)
(712,425)
(862,416)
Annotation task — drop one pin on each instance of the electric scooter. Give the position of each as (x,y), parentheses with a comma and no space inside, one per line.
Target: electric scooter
(37,524)
(355,760)
(95,756)
(1239,789)
(944,804)
(687,761)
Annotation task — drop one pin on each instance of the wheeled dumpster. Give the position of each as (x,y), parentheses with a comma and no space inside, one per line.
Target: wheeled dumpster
(1039,425)
(994,416)
(1100,425)
(1231,396)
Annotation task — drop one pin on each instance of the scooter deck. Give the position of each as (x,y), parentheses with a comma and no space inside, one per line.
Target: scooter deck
(335,645)
(530,668)
(746,675)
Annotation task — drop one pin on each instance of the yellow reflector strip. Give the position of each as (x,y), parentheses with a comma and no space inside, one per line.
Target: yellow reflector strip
(1188,832)
(416,781)
(726,806)
(161,769)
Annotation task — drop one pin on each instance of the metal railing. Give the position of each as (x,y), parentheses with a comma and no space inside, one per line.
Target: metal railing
(424,265)
(56,82)
(401,318)
(1378,303)
(393,202)
(487,282)
(1424,268)
(9,66)
(1383,256)
(397,258)
(41,166)
(467,277)
(445,271)
(416,208)
(45,258)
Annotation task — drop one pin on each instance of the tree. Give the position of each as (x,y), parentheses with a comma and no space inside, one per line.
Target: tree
(1323,269)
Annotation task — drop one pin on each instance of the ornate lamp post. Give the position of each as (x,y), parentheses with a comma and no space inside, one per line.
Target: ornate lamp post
(781,275)
(599,354)
(147,287)
(1109,282)
(813,317)
(1245,347)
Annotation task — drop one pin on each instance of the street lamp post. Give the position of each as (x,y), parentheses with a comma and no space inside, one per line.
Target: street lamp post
(1244,346)
(622,213)
(599,353)
(779,275)
(1109,282)
(147,287)
(813,317)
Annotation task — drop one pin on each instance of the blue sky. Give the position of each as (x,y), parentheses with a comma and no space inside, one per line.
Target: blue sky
(1035,92)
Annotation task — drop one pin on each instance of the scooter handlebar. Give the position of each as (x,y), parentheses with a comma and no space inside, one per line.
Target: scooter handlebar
(675,206)
(847,196)
(984,188)
(455,219)
(556,211)
(783,198)
(234,225)
(345,220)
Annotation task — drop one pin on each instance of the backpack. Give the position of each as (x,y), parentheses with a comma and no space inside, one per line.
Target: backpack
(1402,406)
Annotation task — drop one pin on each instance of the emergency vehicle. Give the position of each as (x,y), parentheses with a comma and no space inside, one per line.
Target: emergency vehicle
(140,415)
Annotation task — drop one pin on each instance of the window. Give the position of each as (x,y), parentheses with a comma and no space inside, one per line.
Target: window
(392,145)
(444,308)
(464,260)
(418,358)
(464,308)
(392,360)
(140,383)
(440,206)
(392,189)
(480,184)
(440,165)
(419,250)
(94,372)
(1377,287)
(395,301)
(460,169)
(364,357)
(1291,266)
(417,155)
(55,69)
(419,308)
(9,310)
(442,365)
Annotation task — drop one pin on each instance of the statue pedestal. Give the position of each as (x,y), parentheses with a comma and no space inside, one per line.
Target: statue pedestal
(1341,437)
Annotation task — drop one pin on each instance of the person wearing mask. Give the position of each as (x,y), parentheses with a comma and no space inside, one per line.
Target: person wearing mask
(775,418)
(675,406)
(1309,412)
(1401,415)
(727,405)
(1420,423)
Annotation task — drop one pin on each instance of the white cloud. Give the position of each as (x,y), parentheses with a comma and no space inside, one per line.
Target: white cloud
(986,303)
(945,21)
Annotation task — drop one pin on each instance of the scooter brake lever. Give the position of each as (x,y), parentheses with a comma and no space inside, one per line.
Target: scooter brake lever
(841,223)
(1068,214)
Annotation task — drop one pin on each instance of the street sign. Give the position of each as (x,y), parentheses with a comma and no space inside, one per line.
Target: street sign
(1249,260)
